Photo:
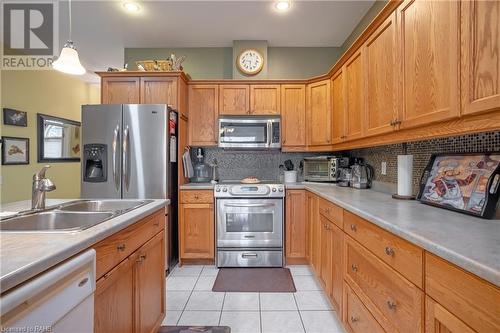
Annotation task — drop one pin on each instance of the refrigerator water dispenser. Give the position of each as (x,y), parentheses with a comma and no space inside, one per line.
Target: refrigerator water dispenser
(94,161)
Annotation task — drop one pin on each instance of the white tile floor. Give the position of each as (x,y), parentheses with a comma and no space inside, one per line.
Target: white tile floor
(190,301)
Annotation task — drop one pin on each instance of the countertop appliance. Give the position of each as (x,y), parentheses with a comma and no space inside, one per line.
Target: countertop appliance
(250,132)
(324,168)
(250,224)
(202,171)
(130,152)
(58,300)
(362,175)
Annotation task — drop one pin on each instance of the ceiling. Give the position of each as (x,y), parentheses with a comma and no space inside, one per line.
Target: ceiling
(102,29)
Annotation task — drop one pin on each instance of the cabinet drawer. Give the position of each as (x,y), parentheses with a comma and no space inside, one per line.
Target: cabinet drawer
(112,250)
(394,301)
(357,318)
(196,196)
(403,256)
(474,301)
(331,212)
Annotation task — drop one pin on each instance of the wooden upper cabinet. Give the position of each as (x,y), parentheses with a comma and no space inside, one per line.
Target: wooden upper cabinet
(381,79)
(150,277)
(234,99)
(480,56)
(120,90)
(338,107)
(204,110)
(265,99)
(295,226)
(430,50)
(319,121)
(159,90)
(293,115)
(355,96)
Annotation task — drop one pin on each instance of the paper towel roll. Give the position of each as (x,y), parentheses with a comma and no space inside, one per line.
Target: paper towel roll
(405,175)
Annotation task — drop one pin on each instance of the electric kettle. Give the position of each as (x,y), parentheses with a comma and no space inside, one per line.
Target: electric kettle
(362,175)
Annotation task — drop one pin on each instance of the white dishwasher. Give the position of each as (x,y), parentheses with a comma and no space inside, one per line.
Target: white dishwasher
(60,299)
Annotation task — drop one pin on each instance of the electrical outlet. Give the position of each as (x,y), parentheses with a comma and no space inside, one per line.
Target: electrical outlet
(384,168)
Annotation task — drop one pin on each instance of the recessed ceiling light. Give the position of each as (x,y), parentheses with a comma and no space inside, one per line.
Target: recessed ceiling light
(282,5)
(132,7)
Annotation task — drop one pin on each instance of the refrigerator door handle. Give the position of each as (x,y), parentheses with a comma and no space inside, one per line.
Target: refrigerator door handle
(116,176)
(126,155)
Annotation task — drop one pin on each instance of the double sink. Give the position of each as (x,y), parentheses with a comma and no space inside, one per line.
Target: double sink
(72,216)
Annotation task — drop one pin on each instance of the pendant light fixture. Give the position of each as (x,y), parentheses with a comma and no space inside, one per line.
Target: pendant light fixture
(68,62)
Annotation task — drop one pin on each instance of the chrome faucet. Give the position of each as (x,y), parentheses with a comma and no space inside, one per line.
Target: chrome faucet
(41,185)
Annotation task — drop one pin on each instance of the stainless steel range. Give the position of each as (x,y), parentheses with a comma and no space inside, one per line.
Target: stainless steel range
(249,222)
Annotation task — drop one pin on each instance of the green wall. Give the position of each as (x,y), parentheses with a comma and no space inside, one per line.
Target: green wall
(217,63)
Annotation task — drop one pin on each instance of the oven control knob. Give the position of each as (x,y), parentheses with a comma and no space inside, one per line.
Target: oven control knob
(280,189)
(274,189)
(224,189)
(217,189)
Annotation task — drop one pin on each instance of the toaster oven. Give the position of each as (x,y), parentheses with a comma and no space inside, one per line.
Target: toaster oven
(324,168)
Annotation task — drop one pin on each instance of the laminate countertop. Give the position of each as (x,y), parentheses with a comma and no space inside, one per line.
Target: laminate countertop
(469,242)
(24,255)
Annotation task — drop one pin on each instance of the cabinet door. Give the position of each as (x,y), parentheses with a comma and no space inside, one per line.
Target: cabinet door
(265,99)
(430,61)
(197,231)
(337,239)
(204,110)
(355,97)
(319,114)
(480,56)
(338,107)
(295,226)
(159,90)
(439,320)
(326,255)
(314,231)
(293,115)
(120,90)
(381,79)
(150,284)
(114,299)
(234,99)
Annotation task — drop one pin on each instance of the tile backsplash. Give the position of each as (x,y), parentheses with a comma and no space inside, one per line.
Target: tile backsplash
(235,165)
(422,150)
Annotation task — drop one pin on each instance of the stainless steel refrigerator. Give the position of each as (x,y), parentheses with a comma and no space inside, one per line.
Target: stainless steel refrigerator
(130,152)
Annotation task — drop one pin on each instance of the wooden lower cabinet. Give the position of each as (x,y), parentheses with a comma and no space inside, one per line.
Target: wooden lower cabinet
(314,232)
(295,227)
(440,320)
(131,296)
(357,318)
(196,226)
(326,255)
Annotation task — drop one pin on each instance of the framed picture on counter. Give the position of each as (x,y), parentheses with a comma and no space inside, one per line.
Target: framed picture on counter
(15,151)
(467,183)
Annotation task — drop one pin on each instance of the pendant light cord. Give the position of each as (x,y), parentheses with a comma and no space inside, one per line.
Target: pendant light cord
(70,32)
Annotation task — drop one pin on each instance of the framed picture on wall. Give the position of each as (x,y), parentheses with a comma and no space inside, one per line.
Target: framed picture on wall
(15,117)
(15,150)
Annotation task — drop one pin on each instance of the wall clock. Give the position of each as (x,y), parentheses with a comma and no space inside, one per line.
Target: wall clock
(250,62)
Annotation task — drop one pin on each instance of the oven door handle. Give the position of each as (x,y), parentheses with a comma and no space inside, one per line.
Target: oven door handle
(249,205)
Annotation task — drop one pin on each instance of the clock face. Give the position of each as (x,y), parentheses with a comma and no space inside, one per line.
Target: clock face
(250,62)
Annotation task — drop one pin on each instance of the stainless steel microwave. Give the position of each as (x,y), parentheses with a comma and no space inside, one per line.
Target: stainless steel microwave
(250,132)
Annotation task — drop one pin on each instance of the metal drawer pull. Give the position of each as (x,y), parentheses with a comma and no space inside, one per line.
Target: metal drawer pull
(353,227)
(121,247)
(354,267)
(391,304)
(389,251)
(249,255)
(141,258)
(354,319)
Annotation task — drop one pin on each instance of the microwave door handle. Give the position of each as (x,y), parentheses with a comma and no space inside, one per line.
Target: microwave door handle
(269,133)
